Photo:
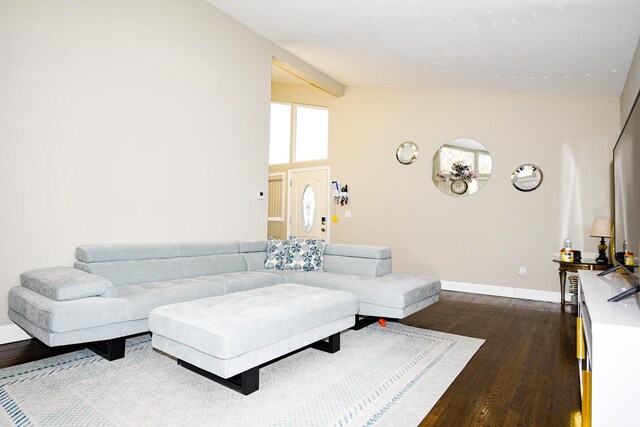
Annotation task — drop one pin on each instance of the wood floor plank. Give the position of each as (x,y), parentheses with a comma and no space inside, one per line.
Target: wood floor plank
(19,352)
(525,374)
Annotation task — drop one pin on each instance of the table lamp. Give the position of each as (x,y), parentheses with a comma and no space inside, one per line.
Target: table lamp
(601,228)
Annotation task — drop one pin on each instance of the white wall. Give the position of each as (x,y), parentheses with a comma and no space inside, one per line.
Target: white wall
(127,122)
(485,237)
(631,87)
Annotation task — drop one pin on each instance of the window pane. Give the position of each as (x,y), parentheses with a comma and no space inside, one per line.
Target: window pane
(312,133)
(276,197)
(484,164)
(450,155)
(280,138)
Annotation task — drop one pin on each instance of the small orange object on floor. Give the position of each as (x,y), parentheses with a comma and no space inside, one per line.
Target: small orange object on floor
(382,323)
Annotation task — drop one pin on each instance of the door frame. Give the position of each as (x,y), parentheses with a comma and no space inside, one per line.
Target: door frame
(328,201)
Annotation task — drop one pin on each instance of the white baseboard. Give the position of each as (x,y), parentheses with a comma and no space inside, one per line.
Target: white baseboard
(12,333)
(503,291)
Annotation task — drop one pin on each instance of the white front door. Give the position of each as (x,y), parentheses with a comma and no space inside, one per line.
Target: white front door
(308,203)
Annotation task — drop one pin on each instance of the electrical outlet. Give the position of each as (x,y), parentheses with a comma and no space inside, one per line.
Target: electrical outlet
(347,214)
(522,272)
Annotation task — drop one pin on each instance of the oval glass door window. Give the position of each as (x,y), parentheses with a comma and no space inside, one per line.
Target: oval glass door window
(308,208)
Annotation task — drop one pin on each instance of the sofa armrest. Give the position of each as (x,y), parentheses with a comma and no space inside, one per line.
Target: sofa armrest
(366,267)
(360,260)
(66,283)
(357,251)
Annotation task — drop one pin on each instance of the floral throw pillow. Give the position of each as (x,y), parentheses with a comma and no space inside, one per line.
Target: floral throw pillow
(304,254)
(277,252)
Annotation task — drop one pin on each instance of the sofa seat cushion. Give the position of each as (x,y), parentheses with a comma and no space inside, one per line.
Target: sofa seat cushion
(141,298)
(66,283)
(63,316)
(283,274)
(391,290)
(243,280)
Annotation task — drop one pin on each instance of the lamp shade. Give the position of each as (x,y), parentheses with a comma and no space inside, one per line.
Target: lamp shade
(601,228)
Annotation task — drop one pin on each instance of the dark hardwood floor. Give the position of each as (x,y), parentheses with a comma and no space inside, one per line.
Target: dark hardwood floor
(525,374)
(20,352)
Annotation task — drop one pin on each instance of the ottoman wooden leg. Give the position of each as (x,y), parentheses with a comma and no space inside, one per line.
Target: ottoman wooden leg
(332,345)
(245,382)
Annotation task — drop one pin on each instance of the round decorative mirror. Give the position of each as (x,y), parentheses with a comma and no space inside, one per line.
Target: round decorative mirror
(461,167)
(526,177)
(407,153)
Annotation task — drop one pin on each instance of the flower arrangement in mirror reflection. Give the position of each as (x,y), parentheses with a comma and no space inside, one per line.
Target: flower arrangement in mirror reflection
(459,170)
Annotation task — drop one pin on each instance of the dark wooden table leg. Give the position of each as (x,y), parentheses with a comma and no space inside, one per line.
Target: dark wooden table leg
(563,282)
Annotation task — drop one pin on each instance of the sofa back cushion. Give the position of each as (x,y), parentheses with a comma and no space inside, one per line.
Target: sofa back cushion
(254,253)
(127,264)
(151,270)
(138,251)
(252,246)
(361,260)
(255,260)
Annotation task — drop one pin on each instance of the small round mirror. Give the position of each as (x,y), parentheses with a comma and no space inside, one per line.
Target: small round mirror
(461,167)
(407,153)
(526,177)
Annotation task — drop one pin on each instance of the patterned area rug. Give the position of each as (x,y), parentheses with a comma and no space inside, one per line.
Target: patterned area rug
(381,376)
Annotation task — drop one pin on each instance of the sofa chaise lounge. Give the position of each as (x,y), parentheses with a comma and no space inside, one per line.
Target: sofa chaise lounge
(111,289)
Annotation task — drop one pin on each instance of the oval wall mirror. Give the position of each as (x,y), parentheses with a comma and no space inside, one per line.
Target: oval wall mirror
(407,153)
(461,167)
(526,177)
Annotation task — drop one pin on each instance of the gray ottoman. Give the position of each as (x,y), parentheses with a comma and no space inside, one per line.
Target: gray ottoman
(227,338)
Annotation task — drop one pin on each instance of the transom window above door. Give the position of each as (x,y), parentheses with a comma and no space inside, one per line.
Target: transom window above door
(298,132)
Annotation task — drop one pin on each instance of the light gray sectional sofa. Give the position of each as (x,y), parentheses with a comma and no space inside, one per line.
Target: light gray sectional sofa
(111,289)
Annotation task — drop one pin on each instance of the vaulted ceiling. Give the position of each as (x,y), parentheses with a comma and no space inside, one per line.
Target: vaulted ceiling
(565,47)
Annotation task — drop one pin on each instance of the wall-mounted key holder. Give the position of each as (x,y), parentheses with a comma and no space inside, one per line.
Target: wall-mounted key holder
(340,194)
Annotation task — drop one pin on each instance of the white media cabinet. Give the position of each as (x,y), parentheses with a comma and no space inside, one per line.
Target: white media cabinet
(608,335)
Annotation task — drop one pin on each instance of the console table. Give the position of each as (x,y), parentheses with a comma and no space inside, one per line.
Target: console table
(608,345)
(574,267)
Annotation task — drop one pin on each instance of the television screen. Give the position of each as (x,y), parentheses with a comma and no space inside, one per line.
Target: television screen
(626,206)
(626,178)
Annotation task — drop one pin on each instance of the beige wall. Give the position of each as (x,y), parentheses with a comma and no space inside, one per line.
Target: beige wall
(127,122)
(631,87)
(485,237)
